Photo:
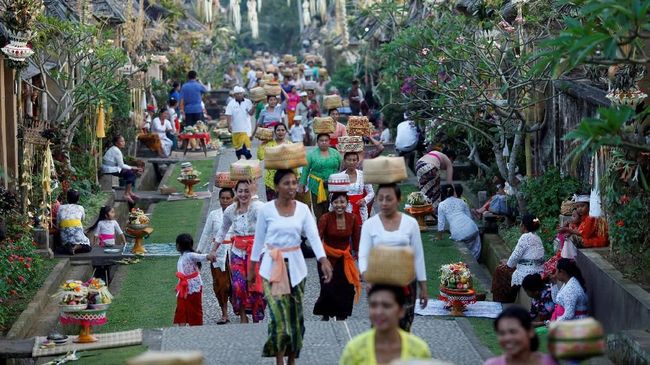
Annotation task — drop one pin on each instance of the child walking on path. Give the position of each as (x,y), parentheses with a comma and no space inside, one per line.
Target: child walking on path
(189,290)
(106,228)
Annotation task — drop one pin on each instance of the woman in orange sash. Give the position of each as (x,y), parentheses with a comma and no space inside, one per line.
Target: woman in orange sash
(243,217)
(340,232)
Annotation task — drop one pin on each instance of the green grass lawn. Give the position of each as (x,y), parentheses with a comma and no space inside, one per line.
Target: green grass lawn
(147,297)
(204,166)
(169,219)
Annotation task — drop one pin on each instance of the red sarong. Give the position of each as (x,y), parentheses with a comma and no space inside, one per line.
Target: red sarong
(245,243)
(189,310)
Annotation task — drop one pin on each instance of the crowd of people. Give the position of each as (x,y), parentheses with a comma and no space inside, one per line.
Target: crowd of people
(254,248)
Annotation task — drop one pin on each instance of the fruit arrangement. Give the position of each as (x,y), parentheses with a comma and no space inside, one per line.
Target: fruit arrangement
(98,293)
(416,199)
(455,276)
(138,218)
(188,172)
(73,293)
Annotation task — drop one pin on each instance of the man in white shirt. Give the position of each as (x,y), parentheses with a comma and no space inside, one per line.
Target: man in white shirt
(297,131)
(238,113)
(406,140)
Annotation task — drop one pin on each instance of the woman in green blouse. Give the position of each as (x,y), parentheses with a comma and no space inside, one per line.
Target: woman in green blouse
(321,163)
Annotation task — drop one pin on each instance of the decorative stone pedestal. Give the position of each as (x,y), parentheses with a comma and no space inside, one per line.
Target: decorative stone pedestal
(42,238)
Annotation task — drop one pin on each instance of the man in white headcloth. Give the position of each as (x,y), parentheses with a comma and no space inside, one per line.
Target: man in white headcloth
(238,115)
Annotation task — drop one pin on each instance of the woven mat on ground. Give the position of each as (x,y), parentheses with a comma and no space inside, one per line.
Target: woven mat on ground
(106,340)
(478,309)
(153,249)
(199,195)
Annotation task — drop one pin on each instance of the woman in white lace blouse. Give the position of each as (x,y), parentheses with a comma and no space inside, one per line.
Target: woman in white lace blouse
(571,301)
(360,194)
(528,255)
(242,216)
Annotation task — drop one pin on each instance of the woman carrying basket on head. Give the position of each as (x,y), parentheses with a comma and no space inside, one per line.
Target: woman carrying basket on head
(280,224)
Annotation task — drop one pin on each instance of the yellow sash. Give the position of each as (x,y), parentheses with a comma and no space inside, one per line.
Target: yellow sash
(70,223)
(321,196)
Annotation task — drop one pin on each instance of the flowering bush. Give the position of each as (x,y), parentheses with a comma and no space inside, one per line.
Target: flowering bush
(628,233)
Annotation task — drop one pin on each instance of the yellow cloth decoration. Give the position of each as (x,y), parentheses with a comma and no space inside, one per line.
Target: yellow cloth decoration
(70,223)
(322,193)
(101,133)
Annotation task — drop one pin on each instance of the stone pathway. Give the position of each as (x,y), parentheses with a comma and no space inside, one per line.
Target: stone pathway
(324,341)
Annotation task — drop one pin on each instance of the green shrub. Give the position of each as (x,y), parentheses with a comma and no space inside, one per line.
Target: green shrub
(544,194)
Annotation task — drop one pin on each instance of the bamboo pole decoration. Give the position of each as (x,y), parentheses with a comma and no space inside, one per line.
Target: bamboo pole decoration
(252,19)
(312,7)
(235,11)
(46,183)
(342,20)
(306,16)
(322,9)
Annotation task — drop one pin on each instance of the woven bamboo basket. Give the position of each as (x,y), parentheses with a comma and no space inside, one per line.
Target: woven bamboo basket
(332,102)
(272,89)
(257,94)
(264,134)
(384,170)
(390,265)
(567,207)
(324,125)
(322,72)
(245,170)
(32,133)
(285,156)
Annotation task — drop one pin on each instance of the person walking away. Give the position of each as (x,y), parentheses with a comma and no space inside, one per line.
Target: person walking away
(406,140)
(297,131)
(385,342)
(242,217)
(238,113)
(70,218)
(162,127)
(106,228)
(428,170)
(339,231)
(518,340)
(360,194)
(321,163)
(190,99)
(527,257)
(454,212)
(220,268)
(189,290)
(113,163)
(280,225)
(355,98)
(393,228)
